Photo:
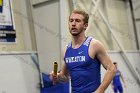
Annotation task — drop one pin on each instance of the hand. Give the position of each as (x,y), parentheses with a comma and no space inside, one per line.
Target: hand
(53,77)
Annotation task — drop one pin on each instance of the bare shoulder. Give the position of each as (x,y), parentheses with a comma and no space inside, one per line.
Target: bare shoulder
(95,41)
(95,48)
(96,44)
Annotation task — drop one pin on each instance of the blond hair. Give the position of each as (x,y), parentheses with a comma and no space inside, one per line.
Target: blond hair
(81,12)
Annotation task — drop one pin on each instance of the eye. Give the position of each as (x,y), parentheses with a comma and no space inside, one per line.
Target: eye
(78,20)
(71,20)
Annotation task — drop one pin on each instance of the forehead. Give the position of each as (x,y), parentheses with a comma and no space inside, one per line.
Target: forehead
(76,16)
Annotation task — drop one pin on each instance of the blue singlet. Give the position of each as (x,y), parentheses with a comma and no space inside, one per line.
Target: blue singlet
(84,71)
(117,83)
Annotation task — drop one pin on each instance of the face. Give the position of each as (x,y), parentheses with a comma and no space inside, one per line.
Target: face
(76,24)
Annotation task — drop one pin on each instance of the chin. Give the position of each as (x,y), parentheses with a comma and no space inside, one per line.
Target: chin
(74,34)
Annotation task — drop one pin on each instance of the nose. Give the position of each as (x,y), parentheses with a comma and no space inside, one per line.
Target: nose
(73,23)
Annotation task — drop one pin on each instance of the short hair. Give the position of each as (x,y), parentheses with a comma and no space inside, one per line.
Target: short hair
(114,63)
(82,12)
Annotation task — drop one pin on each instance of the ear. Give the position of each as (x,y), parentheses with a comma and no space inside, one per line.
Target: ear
(85,26)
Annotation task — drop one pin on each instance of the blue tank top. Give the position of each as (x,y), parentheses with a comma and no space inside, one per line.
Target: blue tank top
(116,79)
(84,71)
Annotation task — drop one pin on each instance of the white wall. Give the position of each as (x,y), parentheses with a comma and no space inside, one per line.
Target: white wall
(18,73)
(47,30)
(64,11)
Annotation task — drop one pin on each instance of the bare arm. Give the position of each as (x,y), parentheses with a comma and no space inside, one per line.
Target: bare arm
(107,64)
(63,76)
(123,80)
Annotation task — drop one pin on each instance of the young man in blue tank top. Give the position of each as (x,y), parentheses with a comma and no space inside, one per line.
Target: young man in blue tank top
(82,59)
(116,83)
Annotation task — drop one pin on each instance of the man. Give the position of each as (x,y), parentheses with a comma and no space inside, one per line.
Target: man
(82,58)
(116,84)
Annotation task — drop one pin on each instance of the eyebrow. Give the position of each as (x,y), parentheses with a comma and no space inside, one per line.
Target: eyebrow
(74,19)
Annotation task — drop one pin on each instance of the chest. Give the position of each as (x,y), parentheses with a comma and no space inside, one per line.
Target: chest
(118,74)
(77,58)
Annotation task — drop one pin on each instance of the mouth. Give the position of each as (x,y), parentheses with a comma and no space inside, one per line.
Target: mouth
(73,29)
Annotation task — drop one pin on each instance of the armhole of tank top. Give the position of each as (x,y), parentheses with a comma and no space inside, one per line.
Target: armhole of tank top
(88,49)
(67,46)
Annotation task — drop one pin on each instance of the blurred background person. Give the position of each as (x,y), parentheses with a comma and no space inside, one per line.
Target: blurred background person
(116,83)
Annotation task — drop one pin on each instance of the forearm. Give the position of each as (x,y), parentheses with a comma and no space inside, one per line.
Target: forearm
(107,79)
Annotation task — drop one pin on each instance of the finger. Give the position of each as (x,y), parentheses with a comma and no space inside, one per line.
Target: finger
(52,75)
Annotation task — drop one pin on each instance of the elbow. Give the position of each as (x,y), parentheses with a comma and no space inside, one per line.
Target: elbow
(112,69)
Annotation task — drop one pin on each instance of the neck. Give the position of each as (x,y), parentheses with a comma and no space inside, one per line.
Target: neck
(78,40)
